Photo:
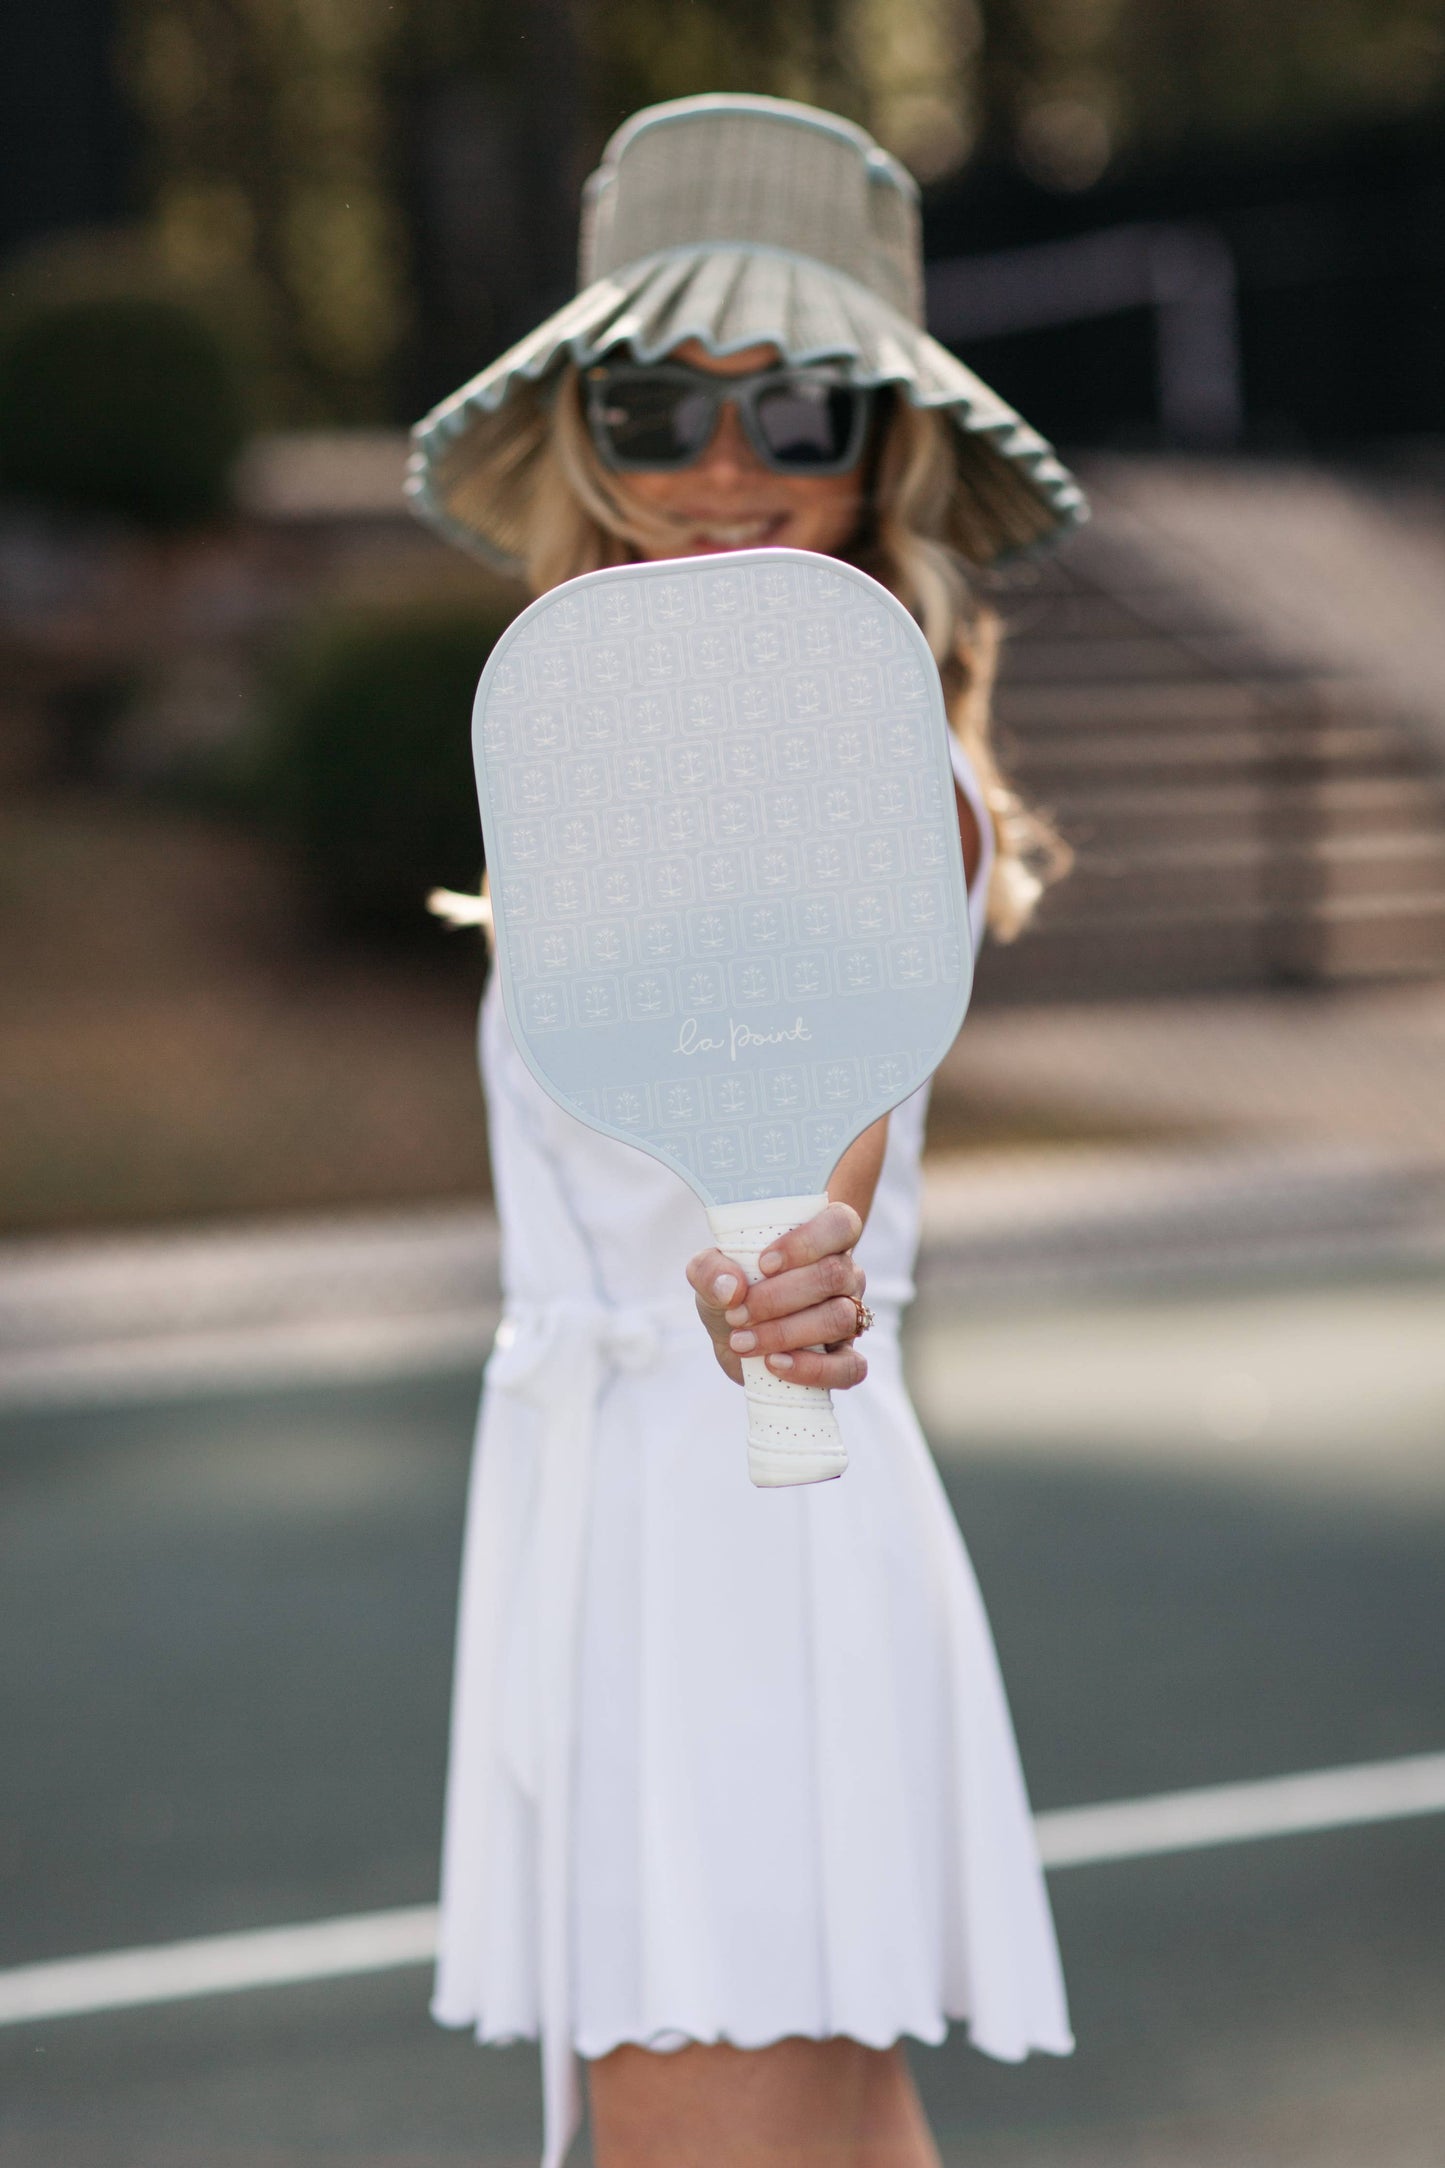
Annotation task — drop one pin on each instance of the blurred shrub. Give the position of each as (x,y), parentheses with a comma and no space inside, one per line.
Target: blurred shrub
(120,404)
(368,763)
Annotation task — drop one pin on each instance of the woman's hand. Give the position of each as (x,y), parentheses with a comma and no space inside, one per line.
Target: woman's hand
(803,1301)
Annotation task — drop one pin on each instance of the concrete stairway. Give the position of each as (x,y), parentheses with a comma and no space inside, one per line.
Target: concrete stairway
(1240,815)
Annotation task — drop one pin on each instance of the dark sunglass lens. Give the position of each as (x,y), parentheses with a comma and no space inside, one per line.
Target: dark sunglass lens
(650,421)
(808,421)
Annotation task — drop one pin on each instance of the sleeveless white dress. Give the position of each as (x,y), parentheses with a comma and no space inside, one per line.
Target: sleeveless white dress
(726,1764)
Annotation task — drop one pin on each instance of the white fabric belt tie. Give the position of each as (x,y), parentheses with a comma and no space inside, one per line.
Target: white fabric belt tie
(558,1356)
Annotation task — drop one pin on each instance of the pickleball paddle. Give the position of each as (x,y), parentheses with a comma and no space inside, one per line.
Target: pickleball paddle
(727,886)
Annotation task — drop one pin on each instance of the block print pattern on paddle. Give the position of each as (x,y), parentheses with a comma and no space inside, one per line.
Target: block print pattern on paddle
(724,858)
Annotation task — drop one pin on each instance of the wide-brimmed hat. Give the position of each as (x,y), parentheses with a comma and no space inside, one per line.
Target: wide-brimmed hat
(737,221)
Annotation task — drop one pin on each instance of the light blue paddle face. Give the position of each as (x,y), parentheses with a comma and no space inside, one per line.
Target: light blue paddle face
(731,921)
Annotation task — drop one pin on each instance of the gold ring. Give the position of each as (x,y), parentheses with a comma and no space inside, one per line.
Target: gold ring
(863,1315)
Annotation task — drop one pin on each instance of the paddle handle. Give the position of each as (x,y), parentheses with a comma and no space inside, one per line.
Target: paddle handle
(793,1434)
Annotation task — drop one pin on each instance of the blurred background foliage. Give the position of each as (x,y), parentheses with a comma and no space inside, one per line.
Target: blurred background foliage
(233,690)
(363,768)
(221,218)
(393,183)
(125,404)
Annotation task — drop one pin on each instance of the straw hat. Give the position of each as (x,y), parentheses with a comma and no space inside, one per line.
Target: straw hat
(734,221)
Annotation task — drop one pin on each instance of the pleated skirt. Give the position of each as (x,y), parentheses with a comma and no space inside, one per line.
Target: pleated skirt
(773,1789)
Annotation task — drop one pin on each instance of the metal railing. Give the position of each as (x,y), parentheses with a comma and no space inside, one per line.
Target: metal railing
(1184,273)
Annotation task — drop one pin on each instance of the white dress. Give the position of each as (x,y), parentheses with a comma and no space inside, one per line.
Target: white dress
(726,1764)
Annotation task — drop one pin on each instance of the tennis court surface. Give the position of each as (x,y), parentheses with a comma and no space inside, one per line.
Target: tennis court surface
(1208,1511)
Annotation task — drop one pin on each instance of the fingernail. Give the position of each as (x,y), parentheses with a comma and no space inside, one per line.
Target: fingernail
(780,1362)
(724,1287)
(771,1261)
(739,1316)
(743,1343)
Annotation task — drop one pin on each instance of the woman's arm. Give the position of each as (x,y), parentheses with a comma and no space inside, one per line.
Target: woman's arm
(804,1298)
(968,835)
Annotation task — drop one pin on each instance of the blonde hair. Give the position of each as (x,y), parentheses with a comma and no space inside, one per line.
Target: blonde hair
(920,533)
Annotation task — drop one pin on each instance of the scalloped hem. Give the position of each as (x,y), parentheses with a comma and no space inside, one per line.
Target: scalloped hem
(594,2046)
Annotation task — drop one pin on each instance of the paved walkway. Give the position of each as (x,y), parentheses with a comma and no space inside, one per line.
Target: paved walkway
(1352,1069)
(1252,1132)
(1346,569)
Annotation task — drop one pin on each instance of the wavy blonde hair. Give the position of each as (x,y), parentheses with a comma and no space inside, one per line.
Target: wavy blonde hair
(917,539)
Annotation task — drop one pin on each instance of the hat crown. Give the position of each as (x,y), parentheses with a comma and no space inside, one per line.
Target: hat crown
(755,173)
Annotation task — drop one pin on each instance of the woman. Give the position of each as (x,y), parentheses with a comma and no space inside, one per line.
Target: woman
(734,1803)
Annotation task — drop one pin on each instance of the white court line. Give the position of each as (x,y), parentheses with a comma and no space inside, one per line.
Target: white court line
(217,1964)
(383,1941)
(1386,1791)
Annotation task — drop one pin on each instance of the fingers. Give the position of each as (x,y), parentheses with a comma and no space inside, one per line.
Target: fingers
(801,1317)
(824,1325)
(802,1289)
(836,1368)
(820,1247)
(715,1280)
(836,1227)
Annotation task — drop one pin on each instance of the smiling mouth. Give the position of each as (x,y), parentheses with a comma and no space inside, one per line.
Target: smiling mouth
(735,534)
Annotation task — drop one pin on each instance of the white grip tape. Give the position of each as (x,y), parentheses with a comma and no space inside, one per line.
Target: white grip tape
(793,1434)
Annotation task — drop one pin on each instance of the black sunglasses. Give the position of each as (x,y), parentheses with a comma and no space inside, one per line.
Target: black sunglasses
(658,419)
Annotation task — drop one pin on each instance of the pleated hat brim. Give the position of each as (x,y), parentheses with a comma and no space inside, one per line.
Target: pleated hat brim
(474,457)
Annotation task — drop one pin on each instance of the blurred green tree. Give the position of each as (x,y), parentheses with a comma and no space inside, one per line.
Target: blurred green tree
(267,150)
(1199,68)
(366,768)
(401,174)
(126,404)
(1065,85)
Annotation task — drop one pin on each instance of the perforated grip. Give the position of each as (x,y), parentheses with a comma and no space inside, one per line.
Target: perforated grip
(793,1434)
